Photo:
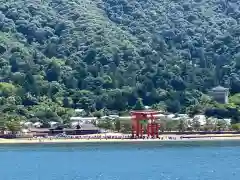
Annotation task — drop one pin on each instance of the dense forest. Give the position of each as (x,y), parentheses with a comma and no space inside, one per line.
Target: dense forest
(115,55)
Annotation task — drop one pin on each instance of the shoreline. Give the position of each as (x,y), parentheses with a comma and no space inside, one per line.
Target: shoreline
(175,138)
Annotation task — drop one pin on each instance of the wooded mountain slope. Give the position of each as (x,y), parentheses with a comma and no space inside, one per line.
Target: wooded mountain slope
(56,55)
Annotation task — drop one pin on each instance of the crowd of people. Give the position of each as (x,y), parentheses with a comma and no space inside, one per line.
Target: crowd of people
(106,137)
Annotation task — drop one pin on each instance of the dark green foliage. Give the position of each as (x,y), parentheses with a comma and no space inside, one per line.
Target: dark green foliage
(56,55)
(236,127)
(139,105)
(118,125)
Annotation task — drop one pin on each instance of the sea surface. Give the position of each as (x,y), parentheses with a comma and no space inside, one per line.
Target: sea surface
(218,160)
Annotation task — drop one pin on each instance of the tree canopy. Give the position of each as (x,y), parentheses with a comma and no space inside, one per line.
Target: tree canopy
(116,55)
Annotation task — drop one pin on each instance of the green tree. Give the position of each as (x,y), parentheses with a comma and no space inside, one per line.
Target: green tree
(235,99)
(88,62)
(163,126)
(105,124)
(194,110)
(117,125)
(182,125)
(171,125)
(126,127)
(12,123)
(210,125)
(2,123)
(236,127)
(196,124)
(139,105)
(7,89)
(221,125)
(98,114)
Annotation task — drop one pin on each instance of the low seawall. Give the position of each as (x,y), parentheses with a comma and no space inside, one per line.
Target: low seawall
(199,132)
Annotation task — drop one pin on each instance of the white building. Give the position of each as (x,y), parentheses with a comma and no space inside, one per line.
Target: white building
(200,118)
(220,94)
(84,120)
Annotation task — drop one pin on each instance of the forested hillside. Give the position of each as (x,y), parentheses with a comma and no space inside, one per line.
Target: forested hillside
(56,55)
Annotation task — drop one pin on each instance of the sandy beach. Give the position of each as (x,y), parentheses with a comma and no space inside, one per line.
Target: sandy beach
(171,138)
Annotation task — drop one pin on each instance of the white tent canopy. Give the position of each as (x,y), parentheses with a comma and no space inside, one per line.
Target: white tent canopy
(37,124)
(82,118)
(53,123)
(28,124)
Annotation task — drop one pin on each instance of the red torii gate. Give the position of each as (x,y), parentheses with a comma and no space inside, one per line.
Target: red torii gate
(137,124)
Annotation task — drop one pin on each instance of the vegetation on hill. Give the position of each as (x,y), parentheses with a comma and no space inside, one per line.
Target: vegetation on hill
(107,55)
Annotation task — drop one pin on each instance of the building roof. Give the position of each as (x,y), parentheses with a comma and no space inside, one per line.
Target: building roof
(82,129)
(39,130)
(219,88)
(82,118)
(88,127)
(46,130)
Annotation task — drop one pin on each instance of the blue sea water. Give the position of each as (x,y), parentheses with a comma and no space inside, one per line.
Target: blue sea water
(122,161)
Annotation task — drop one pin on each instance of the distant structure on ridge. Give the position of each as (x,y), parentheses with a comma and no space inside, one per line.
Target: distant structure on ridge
(220,94)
